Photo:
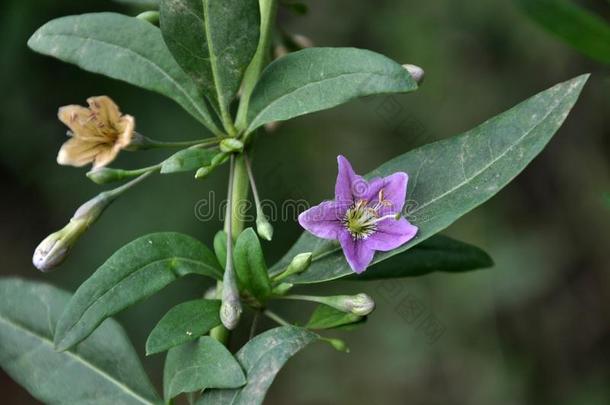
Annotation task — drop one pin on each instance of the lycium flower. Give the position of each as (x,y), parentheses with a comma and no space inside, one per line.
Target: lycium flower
(98,133)
(364,217)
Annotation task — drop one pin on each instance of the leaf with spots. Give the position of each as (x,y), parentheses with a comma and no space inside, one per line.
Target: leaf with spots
(104,367)
(183,323)
(213,41)
(261,358)
(200,365)
(135,272)
(451,177)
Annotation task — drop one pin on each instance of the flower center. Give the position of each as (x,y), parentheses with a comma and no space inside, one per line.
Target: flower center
(361,218)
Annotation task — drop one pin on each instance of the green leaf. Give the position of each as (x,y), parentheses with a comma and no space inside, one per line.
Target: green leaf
(123,48)
(452,177)
(200,365)
(220,247)
(585,31)
(315,79)
(183,323)
(439,253)
(261,358)
(325,317)
(187,160)
(213,41)
(104,367)
(135,272)
(250,266)
(140,3)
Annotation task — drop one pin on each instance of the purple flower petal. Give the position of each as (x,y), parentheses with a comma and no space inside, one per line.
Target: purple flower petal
(347,181)
(324,220)
(357,253)
(394,191)
(391,234)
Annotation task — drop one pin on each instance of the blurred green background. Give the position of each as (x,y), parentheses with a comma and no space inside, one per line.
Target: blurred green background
(534,329)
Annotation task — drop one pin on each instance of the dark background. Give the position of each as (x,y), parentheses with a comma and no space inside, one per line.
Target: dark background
(533,329)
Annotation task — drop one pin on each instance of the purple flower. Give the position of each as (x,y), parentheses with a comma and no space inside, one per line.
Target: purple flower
(364,217)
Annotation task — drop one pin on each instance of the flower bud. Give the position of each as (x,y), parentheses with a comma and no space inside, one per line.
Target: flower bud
(54,249)
(204,172)
(105,175)
(231,145)
(299,264)
(263,227)
(362,305)
(337,344)
(230,312)
(416,72)
(359,304)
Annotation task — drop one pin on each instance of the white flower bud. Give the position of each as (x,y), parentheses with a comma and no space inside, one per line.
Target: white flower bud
(230,313)
(263,227)
(54,249)
(416,72)
(362,305)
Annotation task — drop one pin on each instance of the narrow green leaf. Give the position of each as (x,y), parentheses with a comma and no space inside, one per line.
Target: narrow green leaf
(315,79)
(134,273)
(261,358)
(213,41)
(452,177)
(104,367)
(585,31)
(325,317)
(220,247)
(439,253)
(187,160)
(123,48)
(200,365)
(250,266)
(183,323)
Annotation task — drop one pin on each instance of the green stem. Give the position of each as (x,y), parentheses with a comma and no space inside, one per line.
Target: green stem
(147,143)
(239,199)
(310,298)
(275,317)
(261,58)
(234,224)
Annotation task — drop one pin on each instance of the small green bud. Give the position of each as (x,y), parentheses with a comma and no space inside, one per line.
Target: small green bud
(359,304)
(337,344)
(263,227)
(299,264)
(150,16)
(230,313)
(416,72)
(231,145)
(54,249)
(105,175)
(204,172)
